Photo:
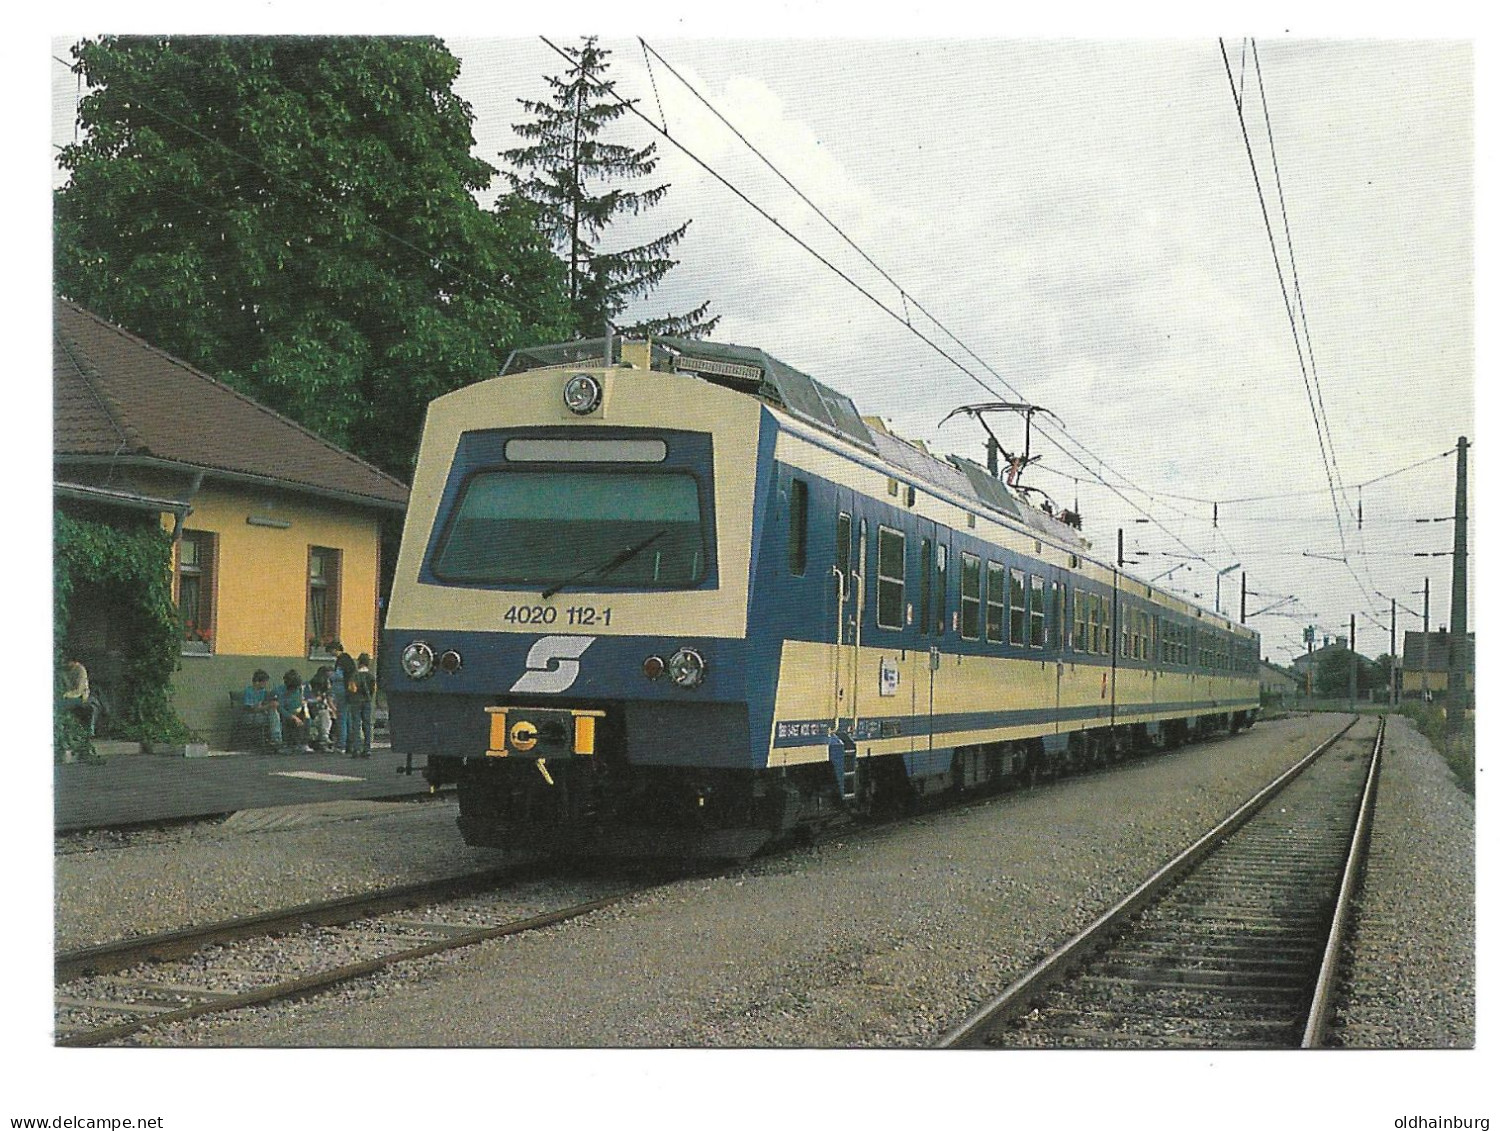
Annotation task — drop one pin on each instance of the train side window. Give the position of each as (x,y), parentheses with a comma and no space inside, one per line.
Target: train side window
(797,539)
(1094,623)
(994,620)
(942,589)
(969,579)
(843,539)
(1107,627)
(890,578)
(1080,620)
(1056,623)
(924,586)
(1017,608)
(1038,611)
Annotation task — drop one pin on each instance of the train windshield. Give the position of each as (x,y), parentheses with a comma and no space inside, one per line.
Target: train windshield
(612,528)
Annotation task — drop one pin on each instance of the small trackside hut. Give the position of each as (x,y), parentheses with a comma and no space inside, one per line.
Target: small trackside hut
(678,598)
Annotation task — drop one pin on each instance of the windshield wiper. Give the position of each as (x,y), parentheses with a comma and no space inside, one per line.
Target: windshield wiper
(607,568)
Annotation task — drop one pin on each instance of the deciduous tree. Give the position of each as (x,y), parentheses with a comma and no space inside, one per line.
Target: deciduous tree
(296,216)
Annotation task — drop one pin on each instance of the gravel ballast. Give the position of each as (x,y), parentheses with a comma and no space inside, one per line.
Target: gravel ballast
(1411,970)
(888,937)
(261,860)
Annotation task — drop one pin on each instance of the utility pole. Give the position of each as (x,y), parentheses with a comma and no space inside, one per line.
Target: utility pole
(1426,605)
(1458,666)
(1120,545)
(1393,654)
(1353,667)
(1244,589)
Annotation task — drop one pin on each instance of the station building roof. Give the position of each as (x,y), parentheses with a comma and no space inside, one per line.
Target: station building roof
(118,399)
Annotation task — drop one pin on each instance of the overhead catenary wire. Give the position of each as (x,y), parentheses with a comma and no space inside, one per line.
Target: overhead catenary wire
(1318,423)
(902,291)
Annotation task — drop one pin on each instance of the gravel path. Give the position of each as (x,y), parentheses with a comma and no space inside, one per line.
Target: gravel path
(260,860)
(884,939)
(1411,981)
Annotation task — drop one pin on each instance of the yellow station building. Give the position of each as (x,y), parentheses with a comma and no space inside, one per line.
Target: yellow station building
(277,534)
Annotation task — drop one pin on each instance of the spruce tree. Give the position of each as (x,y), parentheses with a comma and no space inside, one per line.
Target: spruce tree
(572,177)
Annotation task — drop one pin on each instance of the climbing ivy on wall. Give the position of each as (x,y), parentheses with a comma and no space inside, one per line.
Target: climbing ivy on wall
(136,565)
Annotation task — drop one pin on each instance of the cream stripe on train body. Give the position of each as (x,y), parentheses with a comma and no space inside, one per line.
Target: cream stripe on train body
(761,618)
(632,399)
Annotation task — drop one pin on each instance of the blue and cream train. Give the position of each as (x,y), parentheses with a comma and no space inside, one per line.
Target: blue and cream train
(689,601)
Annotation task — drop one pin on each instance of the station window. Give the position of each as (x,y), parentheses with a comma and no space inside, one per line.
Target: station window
(1017,608)
(797,537)
(1038,611)
(890,573)
(322,600)
(994,620)
(196,561)
(969,580)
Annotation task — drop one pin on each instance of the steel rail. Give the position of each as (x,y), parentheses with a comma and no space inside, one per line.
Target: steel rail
(106,958)
(1061,961)
(311,984)
(1322,1002)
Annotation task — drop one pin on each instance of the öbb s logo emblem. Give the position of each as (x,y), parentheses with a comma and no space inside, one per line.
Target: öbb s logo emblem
(552,664)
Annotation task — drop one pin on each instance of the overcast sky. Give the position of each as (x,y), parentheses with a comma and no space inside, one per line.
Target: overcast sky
(1083,216)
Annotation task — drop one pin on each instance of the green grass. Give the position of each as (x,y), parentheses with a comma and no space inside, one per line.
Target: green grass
(1457,749)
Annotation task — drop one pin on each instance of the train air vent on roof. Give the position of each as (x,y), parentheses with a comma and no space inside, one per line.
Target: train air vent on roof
(734,370)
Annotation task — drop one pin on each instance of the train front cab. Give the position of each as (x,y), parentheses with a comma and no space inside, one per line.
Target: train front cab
(582,675)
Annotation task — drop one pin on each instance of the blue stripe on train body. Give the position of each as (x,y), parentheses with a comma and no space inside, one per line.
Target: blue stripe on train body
(728,722)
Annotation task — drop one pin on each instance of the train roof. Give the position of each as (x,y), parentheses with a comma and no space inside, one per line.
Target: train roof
(756,373)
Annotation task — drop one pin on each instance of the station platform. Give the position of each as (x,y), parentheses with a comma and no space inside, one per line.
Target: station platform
(129,787)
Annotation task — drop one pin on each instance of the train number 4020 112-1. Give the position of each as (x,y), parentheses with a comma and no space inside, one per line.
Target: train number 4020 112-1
(580,616)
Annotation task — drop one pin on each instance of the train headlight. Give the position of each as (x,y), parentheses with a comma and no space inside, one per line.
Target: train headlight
(686,668)
(417,660)
(582,394)
(654,667)
(450,662)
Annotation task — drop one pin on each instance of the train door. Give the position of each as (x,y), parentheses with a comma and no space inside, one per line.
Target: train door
(1112,635)
(930,612)
(848,589)
(1059,636)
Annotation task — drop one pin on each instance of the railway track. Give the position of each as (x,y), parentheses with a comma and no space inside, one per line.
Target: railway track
(109,992)
(1233,944)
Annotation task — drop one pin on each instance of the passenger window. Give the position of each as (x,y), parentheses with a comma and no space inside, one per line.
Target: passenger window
(924,568)
(1038,611)
(942,589)
(968,596)
(843,537)
(890,589)
(797,539)
(1017,607)
(994,619)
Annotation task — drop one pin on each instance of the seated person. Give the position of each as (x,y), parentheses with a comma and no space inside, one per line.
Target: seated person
(292,707)
(259,707)
(76,696)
